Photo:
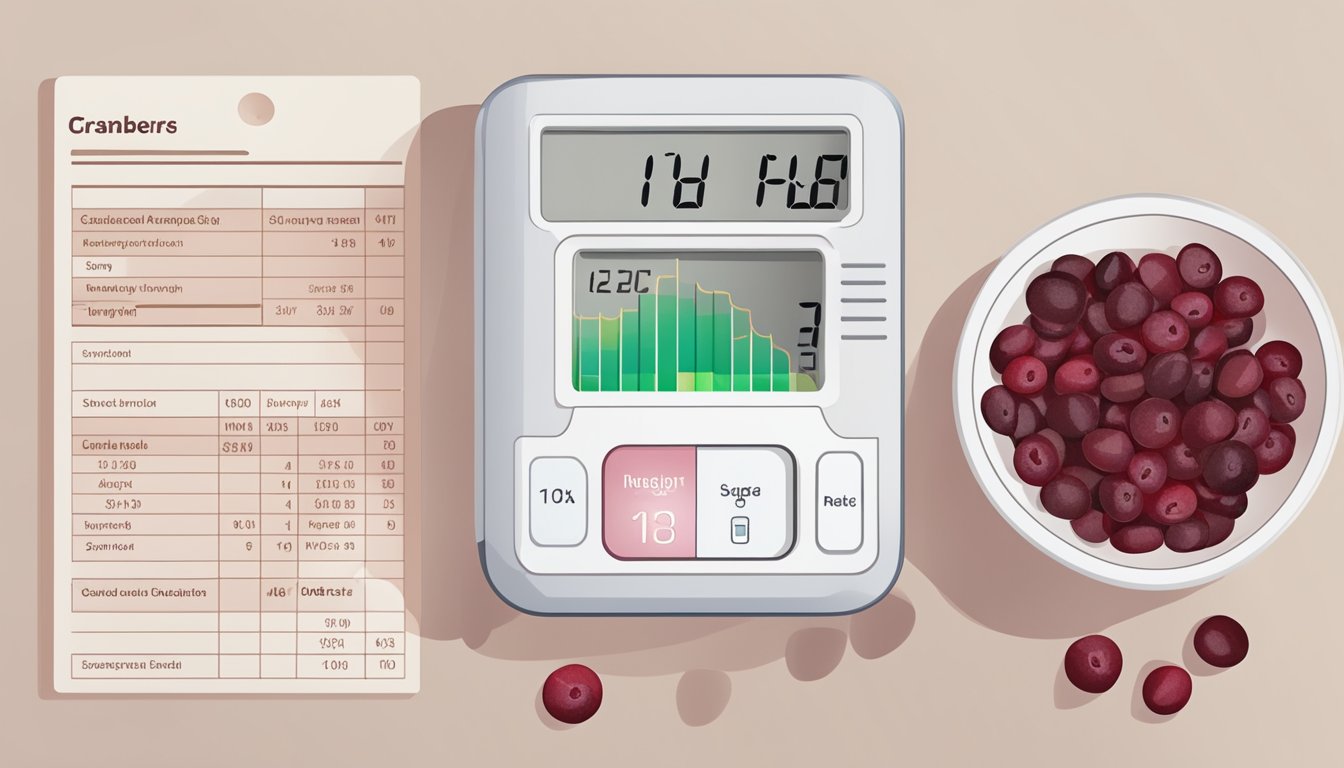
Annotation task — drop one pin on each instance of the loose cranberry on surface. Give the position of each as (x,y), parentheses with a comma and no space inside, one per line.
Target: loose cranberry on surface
(572,693)
(1057,297)
(1036,460)
(1025,375)
(1238,296)
(1230,467)
(1012,342)
(1287,400)
(1137,539)
(1166,690)
(1222,641)
(1128,305)
(1093,663)
(1279,359)
(1158,273)
(1238,374)
(1199,266)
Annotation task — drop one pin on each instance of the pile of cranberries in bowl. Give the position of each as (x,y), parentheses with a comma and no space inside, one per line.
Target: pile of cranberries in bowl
(1134,403)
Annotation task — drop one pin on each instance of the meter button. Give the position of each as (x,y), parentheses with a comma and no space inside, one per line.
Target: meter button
(839,502)
(558,512)
(648,502)
(744,502)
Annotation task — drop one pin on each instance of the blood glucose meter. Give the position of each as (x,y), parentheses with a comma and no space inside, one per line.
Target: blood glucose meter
(688,346)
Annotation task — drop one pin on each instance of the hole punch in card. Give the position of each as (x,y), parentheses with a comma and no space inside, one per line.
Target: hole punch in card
(235,375)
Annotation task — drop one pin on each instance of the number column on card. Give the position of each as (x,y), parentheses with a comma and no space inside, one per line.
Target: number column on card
(385,541)
(331,536)
(145,530)
(280,414)
(313,256)
(239,534)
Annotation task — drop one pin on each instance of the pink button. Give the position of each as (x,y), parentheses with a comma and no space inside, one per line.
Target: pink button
(648,501)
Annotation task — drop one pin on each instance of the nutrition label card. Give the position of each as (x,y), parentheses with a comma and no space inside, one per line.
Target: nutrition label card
(231,381)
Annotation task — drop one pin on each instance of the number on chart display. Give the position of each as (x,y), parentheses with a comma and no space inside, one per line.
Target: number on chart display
(663,527)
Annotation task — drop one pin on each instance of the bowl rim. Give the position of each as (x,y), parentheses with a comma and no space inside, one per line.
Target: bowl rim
(966,403)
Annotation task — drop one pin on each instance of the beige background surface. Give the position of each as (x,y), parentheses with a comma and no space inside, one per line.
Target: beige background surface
(1014,114)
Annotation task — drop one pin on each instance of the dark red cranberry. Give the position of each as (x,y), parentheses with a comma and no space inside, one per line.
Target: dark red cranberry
(1209,343)
(1112,270)
(1030,419)
(1238,296)
(1080,343)
(1173,504)
(1090,477)
(1258,399)
(1109,450)
(1080,267)
(998,407)
(1287,400)
(1057,298)
(1120,498)
(1148,471)
(1238,374)
(1137,539)
(1025,375)
(1164,331)
(1115,415)
(1222,641)
(1079,374)
(1093,663)
(1155,422)
(1167,375)
(1066,497)
(1036,460)
(1048,330)
(1073,415)
(1199,266)
(1238,330)
(1195,308)
(1052,352)
(572,693)
(1166,690)
(1182,463)
(1220,527)
(1057,441)
(1274,453)
(1207,423)
(1279,360)
(1158,273)
(1252,426)
(1127,305)
(1123,389)
(1227,505)
(1118,354)
(1012,342)
(1201,382)
(1094,320)
(1230,467)
(1187,535)
(1092,526)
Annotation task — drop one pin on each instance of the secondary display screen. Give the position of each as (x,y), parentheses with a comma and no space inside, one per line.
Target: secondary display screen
(694,175)
(698,321)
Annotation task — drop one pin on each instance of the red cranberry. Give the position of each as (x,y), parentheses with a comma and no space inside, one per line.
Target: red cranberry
(1120,498)
(1109,450)
(1025,375)
(1093,663)
(1057,297)
(1199,266)
(1155,422)
(1230,467)
(1222,641)
(1090,477)
(1066,497)
(1127,305)
(1057,441)
(1227,505)
(1220,527)
(1148,471)
(1036,460)
(1012,342)
(1274,453)
(1030,419)
(1174,503)
(998,407)
(1201,382)
(1209,343)
(1167,375)
(1207,423)
(1115,415)
(1195,308)
(1073,415)
(572,693)
(1094,320)
(1238,330)
(1091,527)
(1112,270)
(1238,296)
(1182,463)
(1287,400)
(1158,273)
(1164,331)
(1252,426)
(1118,354)
(1079,342)
(1079,374)
(1187,535)
(1238,374)
(1123,389)
(1052,352)
(1048,330)
(1279,359)
(1166,690)
(1080,267)
(1137,539)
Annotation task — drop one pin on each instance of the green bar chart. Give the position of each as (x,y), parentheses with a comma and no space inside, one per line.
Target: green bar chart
(681,336)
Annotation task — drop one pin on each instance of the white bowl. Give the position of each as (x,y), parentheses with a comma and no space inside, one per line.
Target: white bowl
(1294,310)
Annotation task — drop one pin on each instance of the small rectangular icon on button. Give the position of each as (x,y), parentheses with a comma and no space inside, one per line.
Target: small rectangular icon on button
(741,530)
